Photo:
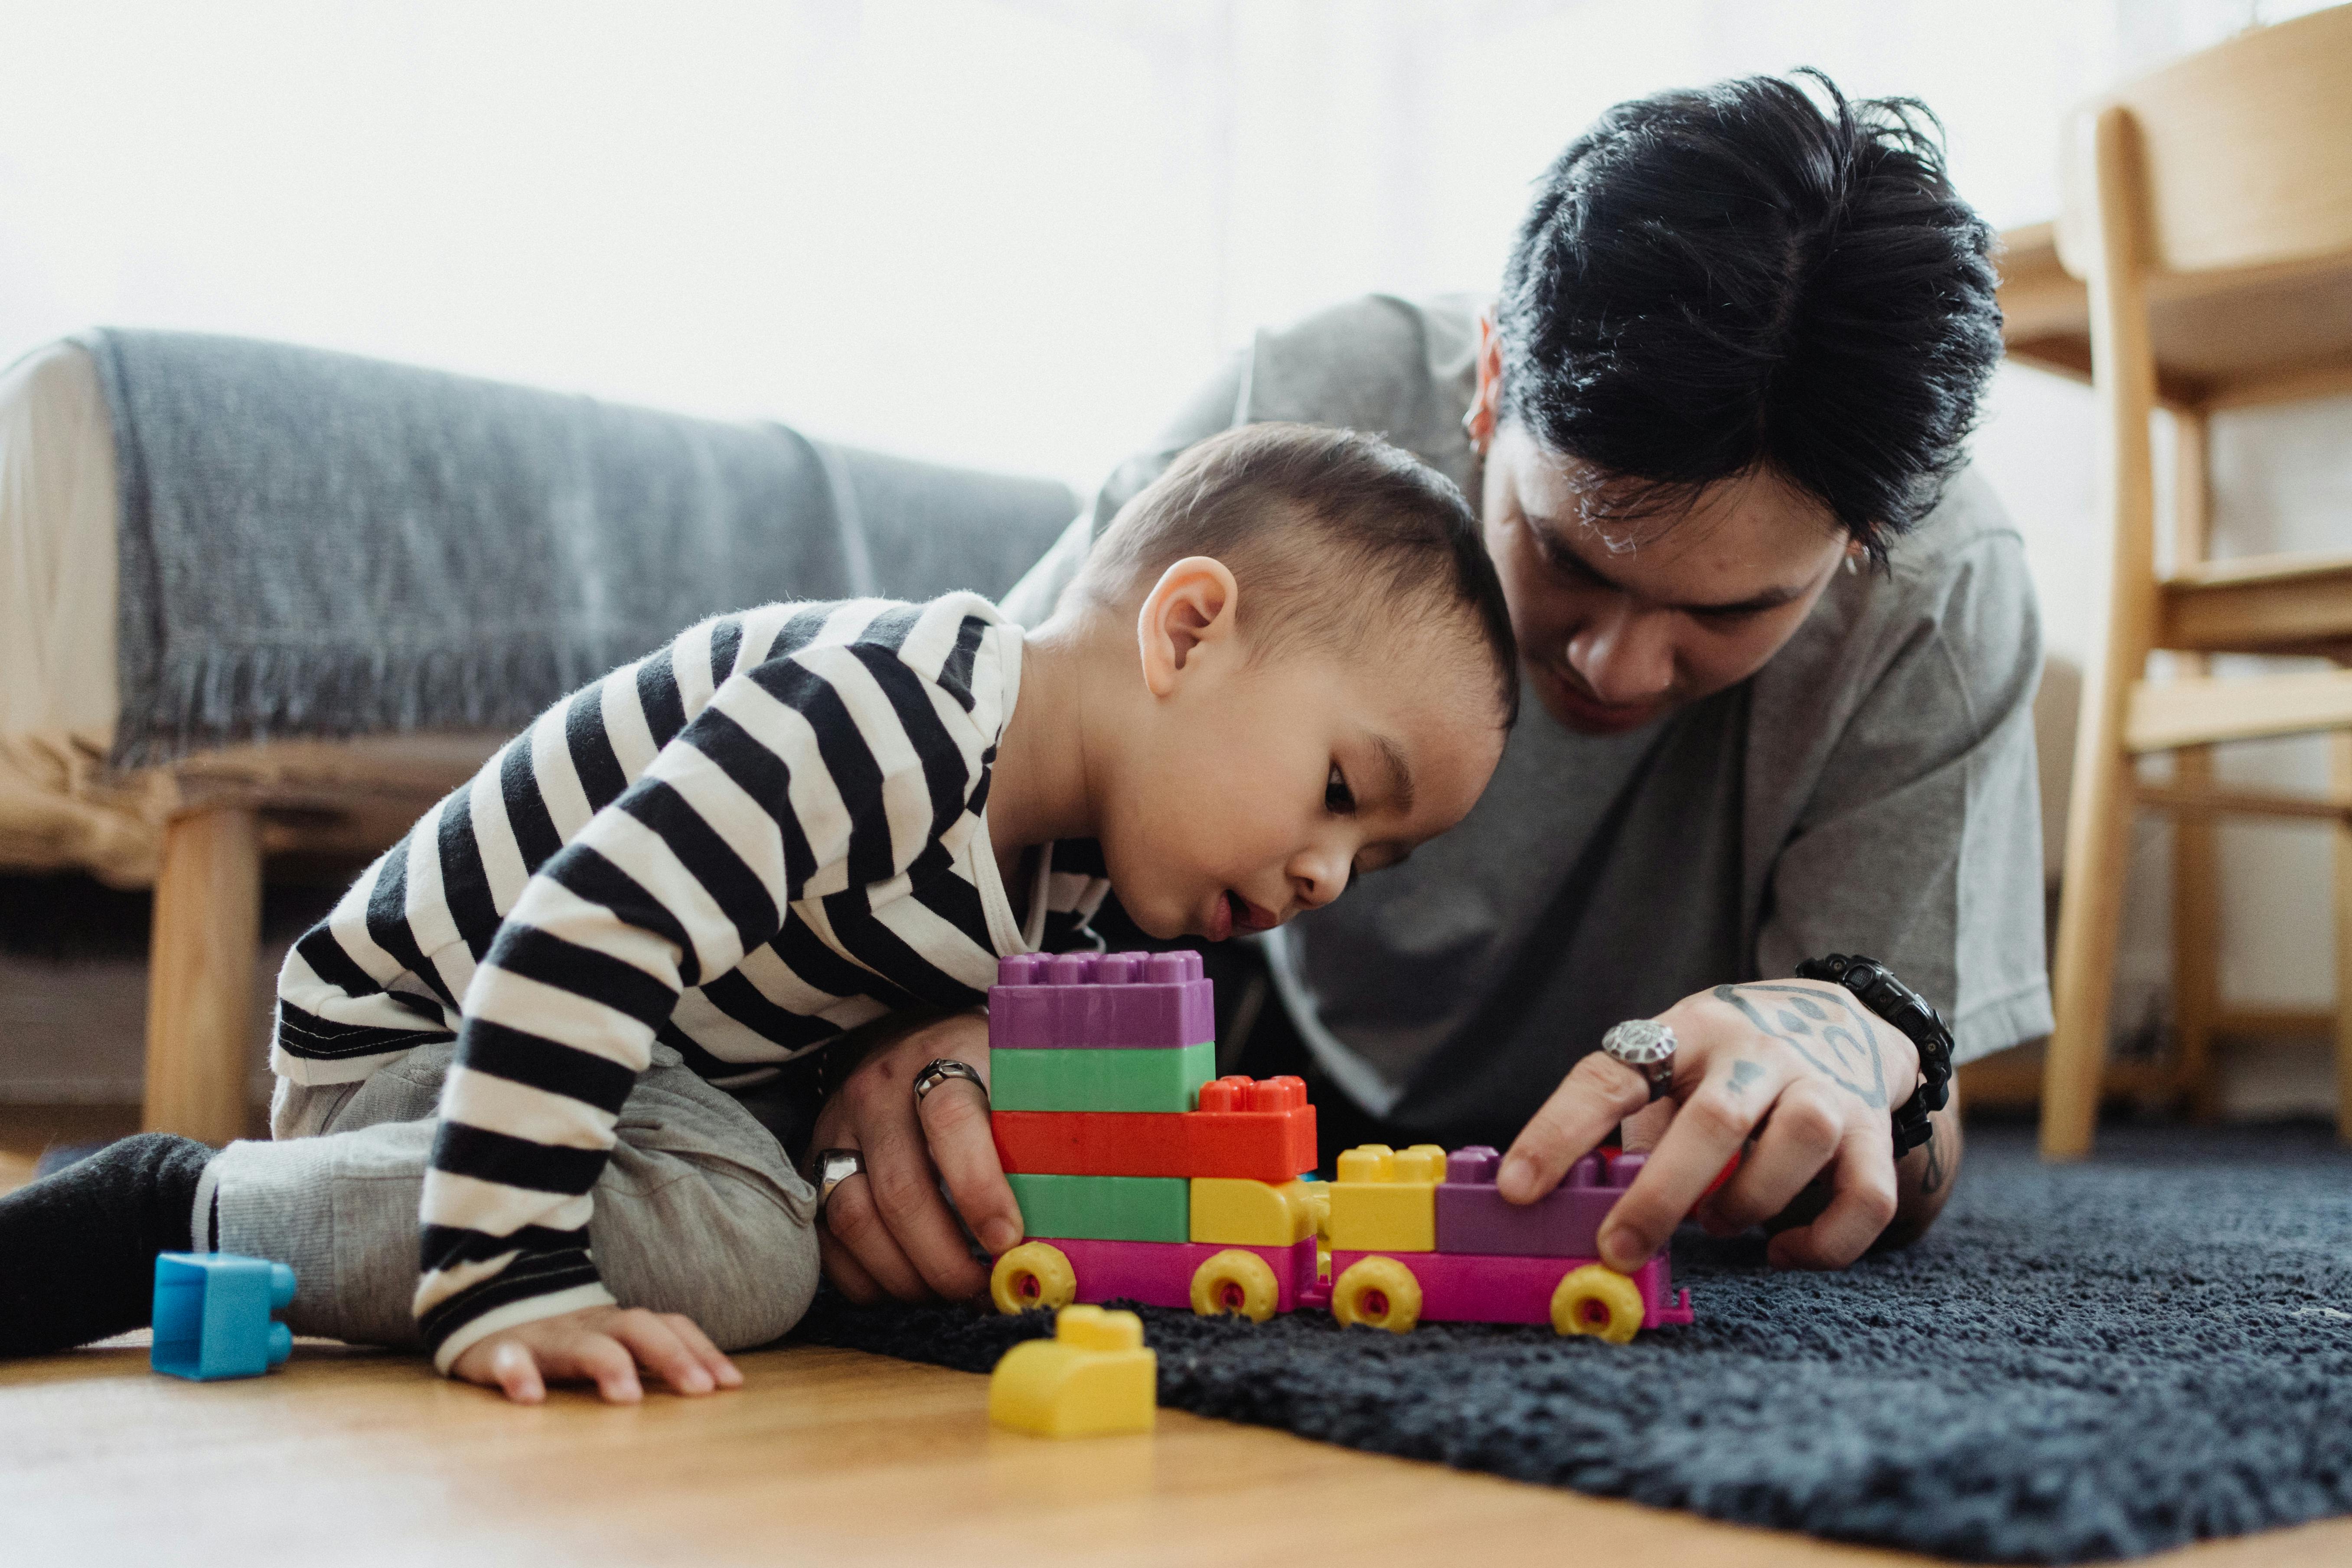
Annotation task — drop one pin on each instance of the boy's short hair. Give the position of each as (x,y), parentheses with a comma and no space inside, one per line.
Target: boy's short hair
(1334,536)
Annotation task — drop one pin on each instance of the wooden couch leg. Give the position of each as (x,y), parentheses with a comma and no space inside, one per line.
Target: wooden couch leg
(208,935)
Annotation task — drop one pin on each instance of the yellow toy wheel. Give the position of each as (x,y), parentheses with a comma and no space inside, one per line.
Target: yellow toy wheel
(1596,1299)
(1380,1291)
(1034,1273)
(1234,1280)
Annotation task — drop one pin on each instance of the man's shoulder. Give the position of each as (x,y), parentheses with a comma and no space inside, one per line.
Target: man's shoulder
(1969,531)
(1396,368)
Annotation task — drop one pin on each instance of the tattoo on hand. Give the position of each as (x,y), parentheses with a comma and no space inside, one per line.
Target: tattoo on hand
(1935,1176)
(1835,1037)
(1743,1073)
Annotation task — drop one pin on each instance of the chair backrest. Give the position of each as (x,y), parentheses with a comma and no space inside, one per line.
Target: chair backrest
(2246,150)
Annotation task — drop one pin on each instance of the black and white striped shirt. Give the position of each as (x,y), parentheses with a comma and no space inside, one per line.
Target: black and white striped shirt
(760,836)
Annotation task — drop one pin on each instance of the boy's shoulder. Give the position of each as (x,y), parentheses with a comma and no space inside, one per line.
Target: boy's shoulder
(960,643)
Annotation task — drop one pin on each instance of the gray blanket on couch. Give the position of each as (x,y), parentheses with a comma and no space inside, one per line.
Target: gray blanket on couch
(317,544)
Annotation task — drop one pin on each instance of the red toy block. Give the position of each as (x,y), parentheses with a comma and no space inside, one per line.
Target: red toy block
(1472,1288)
(1263,1131)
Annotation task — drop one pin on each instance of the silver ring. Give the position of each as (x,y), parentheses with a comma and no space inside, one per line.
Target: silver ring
(835,1166)
(1648,1048)
(943,1068)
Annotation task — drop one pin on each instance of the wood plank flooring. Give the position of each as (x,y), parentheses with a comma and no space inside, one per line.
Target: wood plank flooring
(826,1456)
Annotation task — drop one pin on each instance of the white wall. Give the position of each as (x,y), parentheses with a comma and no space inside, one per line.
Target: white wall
(1008,232)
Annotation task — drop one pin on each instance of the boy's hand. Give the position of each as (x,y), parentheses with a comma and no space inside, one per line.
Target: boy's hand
(603,1345)
(888,1231)
(1798,1065)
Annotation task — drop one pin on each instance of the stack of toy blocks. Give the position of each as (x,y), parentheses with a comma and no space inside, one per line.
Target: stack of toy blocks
(1123,1148)
(1476,1257)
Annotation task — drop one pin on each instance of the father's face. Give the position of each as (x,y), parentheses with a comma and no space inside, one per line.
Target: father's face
(1619,622)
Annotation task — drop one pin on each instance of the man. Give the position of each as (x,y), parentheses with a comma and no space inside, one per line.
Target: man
(1784,649)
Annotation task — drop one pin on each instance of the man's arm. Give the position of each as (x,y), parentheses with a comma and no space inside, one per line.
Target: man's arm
(1925,1177)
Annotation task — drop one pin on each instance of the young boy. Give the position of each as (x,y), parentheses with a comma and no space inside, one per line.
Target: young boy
(1288,661)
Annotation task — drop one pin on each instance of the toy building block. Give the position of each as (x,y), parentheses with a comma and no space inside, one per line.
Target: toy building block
(1104,1208)
(1259,1131)
(1384,1200)
(1092,1378)
(1211,1278)
(1253,1214)
(1472,1216)
(1119,1001)
(1164,1081)
(213,1315)
(1574,1295)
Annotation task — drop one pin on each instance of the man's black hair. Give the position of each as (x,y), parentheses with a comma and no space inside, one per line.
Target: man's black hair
(1716,281)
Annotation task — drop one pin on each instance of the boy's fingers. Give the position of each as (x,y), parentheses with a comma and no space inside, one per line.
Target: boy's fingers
(660,1350)
(517,1373)
(955,1123)
(604,1361)
(1860,1209)
(714,1361)
(1598,1093)
(857,1225)
(1709,1128)
(1801,1138)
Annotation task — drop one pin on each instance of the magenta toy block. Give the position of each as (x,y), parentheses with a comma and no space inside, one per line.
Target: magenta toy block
(1149,1001)
(1472,1218)
(1159,1273)
(1470,1288)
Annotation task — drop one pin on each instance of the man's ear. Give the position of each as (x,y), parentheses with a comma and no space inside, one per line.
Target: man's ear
(1486,402)
(1192,607)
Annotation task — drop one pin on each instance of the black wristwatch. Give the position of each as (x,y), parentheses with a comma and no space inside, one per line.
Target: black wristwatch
(1875,987)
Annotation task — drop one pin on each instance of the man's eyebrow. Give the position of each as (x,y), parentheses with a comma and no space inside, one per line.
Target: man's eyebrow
(1559,551)
(1398,771)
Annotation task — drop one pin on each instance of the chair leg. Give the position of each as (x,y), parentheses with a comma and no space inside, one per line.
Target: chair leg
(2196,937)
(207,934)
(2340,768)
(2090,918)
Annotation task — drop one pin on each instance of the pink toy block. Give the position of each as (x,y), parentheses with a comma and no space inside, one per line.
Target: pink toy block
(1471,1288)
(1472,1218)
(1149,1001)
(1159,1273)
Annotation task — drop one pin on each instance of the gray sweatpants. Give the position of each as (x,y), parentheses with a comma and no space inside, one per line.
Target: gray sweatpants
(698,1211)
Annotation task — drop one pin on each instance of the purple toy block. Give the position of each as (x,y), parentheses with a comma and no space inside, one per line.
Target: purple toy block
(1159,1273)
(1467,1288)
(1472,1218)
(1145,1000)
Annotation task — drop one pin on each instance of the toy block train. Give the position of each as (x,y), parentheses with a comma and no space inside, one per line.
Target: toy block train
(1142,1176)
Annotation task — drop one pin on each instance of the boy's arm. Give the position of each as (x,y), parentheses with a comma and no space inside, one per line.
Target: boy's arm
(799,777)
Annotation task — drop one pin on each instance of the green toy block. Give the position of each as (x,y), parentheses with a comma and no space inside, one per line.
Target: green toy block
(1093,1079)
(1106,1208)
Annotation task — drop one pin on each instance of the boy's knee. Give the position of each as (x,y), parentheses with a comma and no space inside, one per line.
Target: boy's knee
(732,1248)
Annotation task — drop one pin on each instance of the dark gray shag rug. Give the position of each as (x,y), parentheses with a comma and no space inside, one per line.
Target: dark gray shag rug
(2079,1363)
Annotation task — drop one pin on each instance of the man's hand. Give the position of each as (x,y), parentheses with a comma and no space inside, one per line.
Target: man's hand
(1798,1065)
(888,1231)
(603,1345)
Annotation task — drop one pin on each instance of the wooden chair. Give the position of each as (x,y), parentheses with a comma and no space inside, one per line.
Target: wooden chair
(2208,207)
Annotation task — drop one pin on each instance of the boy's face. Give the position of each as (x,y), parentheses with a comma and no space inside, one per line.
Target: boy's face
(1254,789)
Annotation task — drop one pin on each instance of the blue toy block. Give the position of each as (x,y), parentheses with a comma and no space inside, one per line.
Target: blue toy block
(213,1315)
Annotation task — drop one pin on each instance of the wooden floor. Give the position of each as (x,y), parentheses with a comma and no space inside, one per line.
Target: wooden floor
(829,1456)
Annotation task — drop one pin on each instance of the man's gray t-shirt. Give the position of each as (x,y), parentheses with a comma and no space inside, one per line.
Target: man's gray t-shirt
(1871,789)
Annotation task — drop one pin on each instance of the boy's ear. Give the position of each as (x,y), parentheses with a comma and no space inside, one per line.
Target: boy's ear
(1192,607)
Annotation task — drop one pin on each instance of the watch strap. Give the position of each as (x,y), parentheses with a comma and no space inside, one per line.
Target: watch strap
(1875,986)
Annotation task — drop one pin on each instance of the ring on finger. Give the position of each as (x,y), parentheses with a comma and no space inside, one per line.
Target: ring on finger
(1648,1048)
(943,1068)
(835,1166)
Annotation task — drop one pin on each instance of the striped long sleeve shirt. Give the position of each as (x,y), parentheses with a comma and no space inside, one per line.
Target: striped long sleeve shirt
(766,834)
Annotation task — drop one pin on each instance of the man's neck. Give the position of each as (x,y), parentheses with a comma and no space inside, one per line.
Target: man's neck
(1040,791)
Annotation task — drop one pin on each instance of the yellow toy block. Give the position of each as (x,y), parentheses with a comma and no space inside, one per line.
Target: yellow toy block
(1234,1210)
(1386,1199)
(1092,1378)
